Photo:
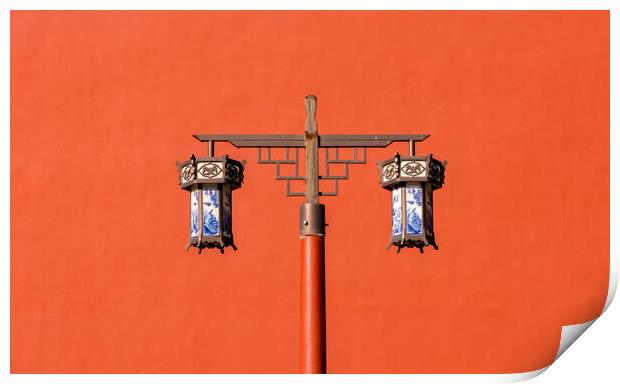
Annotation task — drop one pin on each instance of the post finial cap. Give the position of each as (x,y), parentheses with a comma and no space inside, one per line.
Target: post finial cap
(311,126)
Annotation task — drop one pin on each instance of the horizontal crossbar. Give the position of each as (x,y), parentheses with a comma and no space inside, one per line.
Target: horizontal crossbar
(325,141)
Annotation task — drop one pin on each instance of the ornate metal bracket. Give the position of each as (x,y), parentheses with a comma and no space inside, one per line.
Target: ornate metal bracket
(330,144)
(312,143)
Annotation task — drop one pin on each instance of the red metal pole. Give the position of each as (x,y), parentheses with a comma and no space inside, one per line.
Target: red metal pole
(312,232)
(312,304)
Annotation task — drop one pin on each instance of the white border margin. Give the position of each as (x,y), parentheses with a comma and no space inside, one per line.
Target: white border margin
(569,333)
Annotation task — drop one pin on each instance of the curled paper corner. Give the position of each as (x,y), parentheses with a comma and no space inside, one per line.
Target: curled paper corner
(570,333)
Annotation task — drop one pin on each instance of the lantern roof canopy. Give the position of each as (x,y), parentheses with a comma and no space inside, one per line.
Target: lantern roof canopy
(399,169)
(210,170)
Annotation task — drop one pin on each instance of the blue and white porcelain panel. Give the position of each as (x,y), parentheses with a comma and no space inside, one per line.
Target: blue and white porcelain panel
(413,198)
(210,210)
(193,222)
(397,212)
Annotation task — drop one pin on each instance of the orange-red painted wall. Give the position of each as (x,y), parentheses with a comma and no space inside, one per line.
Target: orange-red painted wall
(104,103)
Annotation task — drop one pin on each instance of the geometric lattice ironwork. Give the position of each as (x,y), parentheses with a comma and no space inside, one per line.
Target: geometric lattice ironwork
(287,160)
(338,160)
(265,157)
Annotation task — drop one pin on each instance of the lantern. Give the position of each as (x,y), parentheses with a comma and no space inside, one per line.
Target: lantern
(210,182)
(412,180)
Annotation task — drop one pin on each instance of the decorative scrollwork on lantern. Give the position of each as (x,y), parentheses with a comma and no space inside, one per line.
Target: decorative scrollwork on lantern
(210,170)
(234,173)
(390,172)
(187,174)
(436,172)
(413,169)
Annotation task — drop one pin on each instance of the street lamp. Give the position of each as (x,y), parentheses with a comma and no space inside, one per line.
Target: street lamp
(210,181)
(411,180)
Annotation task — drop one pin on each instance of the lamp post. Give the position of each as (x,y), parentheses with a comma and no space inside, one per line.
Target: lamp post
(410,179)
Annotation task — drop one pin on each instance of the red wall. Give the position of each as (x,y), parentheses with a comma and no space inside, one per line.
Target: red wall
(104,103)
